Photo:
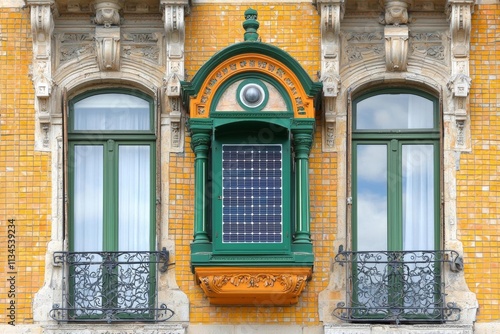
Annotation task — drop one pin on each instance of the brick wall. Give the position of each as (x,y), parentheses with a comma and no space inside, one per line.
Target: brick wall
(25,191)
(478,189)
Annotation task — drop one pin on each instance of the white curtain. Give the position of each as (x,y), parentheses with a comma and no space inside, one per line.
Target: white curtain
(134,197)
(418,181)
(88,198)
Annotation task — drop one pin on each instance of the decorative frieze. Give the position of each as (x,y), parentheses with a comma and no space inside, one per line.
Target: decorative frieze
(143,46)
(428,45)
(71,46)
(360,46)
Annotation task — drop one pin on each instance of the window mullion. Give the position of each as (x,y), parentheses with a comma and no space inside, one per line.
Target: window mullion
(394,194)
(110,196)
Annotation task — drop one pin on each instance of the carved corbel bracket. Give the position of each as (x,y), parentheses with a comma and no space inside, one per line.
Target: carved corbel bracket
(332,12)
(460,13)
(42,27)
(173,18)
(107,34)
(108,48)
(396,48)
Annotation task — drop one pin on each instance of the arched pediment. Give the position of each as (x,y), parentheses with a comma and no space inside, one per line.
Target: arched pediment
(246,58)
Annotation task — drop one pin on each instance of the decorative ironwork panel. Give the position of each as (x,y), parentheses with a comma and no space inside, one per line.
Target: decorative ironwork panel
(396,286)
(111,286)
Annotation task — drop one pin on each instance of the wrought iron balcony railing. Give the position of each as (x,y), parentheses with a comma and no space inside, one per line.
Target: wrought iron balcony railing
(395,287)
(111,286)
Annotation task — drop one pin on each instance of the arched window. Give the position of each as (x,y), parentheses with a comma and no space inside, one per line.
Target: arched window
(396,257)
(111,266)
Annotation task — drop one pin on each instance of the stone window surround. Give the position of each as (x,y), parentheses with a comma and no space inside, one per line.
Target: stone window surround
(97,63)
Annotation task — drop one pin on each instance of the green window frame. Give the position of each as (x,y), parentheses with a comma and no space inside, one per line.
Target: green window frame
(396,211)
(112,205)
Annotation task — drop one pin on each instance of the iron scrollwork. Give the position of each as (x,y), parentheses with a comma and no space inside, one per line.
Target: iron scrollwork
(111,287)
(396,286)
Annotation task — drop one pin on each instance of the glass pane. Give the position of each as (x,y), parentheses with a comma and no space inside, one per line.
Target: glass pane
(88,198)
(371,192)
(395,111)
(418,197)
(134,199)
(112,112)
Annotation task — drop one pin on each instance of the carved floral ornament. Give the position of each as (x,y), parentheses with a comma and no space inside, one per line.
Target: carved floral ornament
(302,104)
(255,286)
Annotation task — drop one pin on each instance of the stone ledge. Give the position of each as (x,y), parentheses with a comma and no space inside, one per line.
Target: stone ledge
(399,329)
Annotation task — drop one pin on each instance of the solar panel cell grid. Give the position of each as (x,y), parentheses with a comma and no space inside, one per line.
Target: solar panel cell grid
(252,193)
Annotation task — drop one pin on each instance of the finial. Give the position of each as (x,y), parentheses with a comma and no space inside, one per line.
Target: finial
(251,25)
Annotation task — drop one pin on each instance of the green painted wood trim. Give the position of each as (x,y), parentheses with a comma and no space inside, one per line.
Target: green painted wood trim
(125,91)
(303,132)
(193,87)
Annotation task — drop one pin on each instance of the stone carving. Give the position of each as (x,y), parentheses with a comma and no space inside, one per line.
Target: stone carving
(396,48)
(460,12)
(428,44)
(360,46)
(107,12)
(74,45)
(331,12)
(108,48)
(267,286)
(173,18)
(42,26)
(396,35)
(459,85)
(142,45)
(107,34)
(396,12)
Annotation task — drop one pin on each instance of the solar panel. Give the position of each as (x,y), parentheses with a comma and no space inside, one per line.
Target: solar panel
(252,193)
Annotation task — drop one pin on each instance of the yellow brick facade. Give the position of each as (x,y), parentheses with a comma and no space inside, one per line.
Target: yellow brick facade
(24,173)
(26,184)
(478,180)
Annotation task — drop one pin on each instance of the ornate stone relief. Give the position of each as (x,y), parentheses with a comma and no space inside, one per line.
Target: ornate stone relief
(173,18)
(460,12)
(71,46)
(360,46)
(331,12)
(145,46)
(428,45)
(396,34)
(42,26)
(107,34)
(257,286)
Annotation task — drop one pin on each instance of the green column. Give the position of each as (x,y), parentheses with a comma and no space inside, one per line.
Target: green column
(200,144)
(302,142)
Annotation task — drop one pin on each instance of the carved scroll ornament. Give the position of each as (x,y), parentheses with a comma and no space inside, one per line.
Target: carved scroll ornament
(252,286)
